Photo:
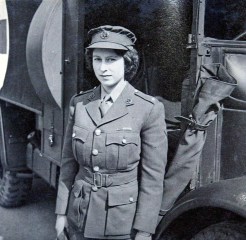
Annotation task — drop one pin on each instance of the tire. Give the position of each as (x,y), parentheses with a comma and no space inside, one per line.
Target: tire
(13,189)
(224,230)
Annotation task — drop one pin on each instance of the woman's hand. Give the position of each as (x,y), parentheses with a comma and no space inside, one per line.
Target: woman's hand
(61,223)
(143,236)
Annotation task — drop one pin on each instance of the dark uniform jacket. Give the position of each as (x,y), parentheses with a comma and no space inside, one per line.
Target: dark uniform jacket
(113,167)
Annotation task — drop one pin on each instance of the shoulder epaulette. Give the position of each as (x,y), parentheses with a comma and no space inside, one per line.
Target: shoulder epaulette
(76,98)
(145,96)
(84,92)
(81,93)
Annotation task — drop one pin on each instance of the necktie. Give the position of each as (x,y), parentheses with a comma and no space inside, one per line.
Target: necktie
(105,105)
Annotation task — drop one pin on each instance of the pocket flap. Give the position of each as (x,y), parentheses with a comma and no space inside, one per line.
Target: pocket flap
(77,188)
(122,138)
(80,133)
(122,195)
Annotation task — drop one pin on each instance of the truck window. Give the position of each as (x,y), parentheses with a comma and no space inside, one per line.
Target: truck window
(161,28)
(225,19)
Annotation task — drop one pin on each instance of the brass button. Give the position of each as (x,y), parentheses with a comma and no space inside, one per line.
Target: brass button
(124,141)
(131,199)
(98,131)
(136,91)
(94,188)
(73,135)
(153,99)
(96,168)
(94,152)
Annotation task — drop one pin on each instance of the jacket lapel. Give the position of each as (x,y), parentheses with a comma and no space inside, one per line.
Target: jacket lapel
(119,108)
(92,107)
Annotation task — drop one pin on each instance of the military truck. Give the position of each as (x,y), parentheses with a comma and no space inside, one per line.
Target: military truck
(42,67)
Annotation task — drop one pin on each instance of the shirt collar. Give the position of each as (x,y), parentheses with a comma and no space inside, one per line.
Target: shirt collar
(115,92)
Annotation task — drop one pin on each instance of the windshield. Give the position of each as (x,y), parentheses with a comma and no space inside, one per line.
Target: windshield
(225,19)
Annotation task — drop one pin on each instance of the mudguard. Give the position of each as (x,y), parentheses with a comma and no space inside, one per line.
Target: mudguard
(227,194)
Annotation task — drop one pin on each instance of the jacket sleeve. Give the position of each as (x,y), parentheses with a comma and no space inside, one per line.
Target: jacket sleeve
(152,169)
(69,166)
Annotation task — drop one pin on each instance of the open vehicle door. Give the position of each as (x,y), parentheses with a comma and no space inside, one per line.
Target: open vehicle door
(218,49)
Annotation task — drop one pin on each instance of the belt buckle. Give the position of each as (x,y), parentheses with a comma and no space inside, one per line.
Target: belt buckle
(95,180)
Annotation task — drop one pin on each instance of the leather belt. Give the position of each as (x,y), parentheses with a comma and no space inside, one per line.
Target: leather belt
(97,179)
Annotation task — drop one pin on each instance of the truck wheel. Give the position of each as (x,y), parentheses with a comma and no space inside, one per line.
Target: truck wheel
(13,189)
(224,230)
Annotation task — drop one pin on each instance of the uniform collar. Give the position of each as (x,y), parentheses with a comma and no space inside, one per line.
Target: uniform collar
(115,92)
(117,110)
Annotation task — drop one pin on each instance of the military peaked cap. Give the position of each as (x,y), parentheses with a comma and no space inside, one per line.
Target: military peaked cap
(112,37)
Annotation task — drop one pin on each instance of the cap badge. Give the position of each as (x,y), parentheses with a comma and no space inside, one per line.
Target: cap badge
(104,34)
(91,96)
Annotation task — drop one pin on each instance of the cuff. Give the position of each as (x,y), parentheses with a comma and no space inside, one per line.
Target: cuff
(140,223)
(145,234)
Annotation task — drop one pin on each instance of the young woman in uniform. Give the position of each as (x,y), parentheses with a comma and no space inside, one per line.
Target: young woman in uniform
(114,153)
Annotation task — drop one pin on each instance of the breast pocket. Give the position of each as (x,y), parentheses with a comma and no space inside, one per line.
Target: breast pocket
(79,137)
(121,149)
(121,207)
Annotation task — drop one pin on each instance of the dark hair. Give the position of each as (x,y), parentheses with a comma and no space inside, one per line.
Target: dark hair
(131,60)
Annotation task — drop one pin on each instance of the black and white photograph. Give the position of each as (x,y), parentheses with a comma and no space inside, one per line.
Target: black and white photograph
(122,119)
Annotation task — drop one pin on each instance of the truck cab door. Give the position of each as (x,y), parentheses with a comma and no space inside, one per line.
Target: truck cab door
(219,36)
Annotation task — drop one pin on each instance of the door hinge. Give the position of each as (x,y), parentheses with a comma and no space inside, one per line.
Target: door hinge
(192,43)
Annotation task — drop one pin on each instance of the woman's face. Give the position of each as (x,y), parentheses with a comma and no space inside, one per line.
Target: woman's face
(108,67)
